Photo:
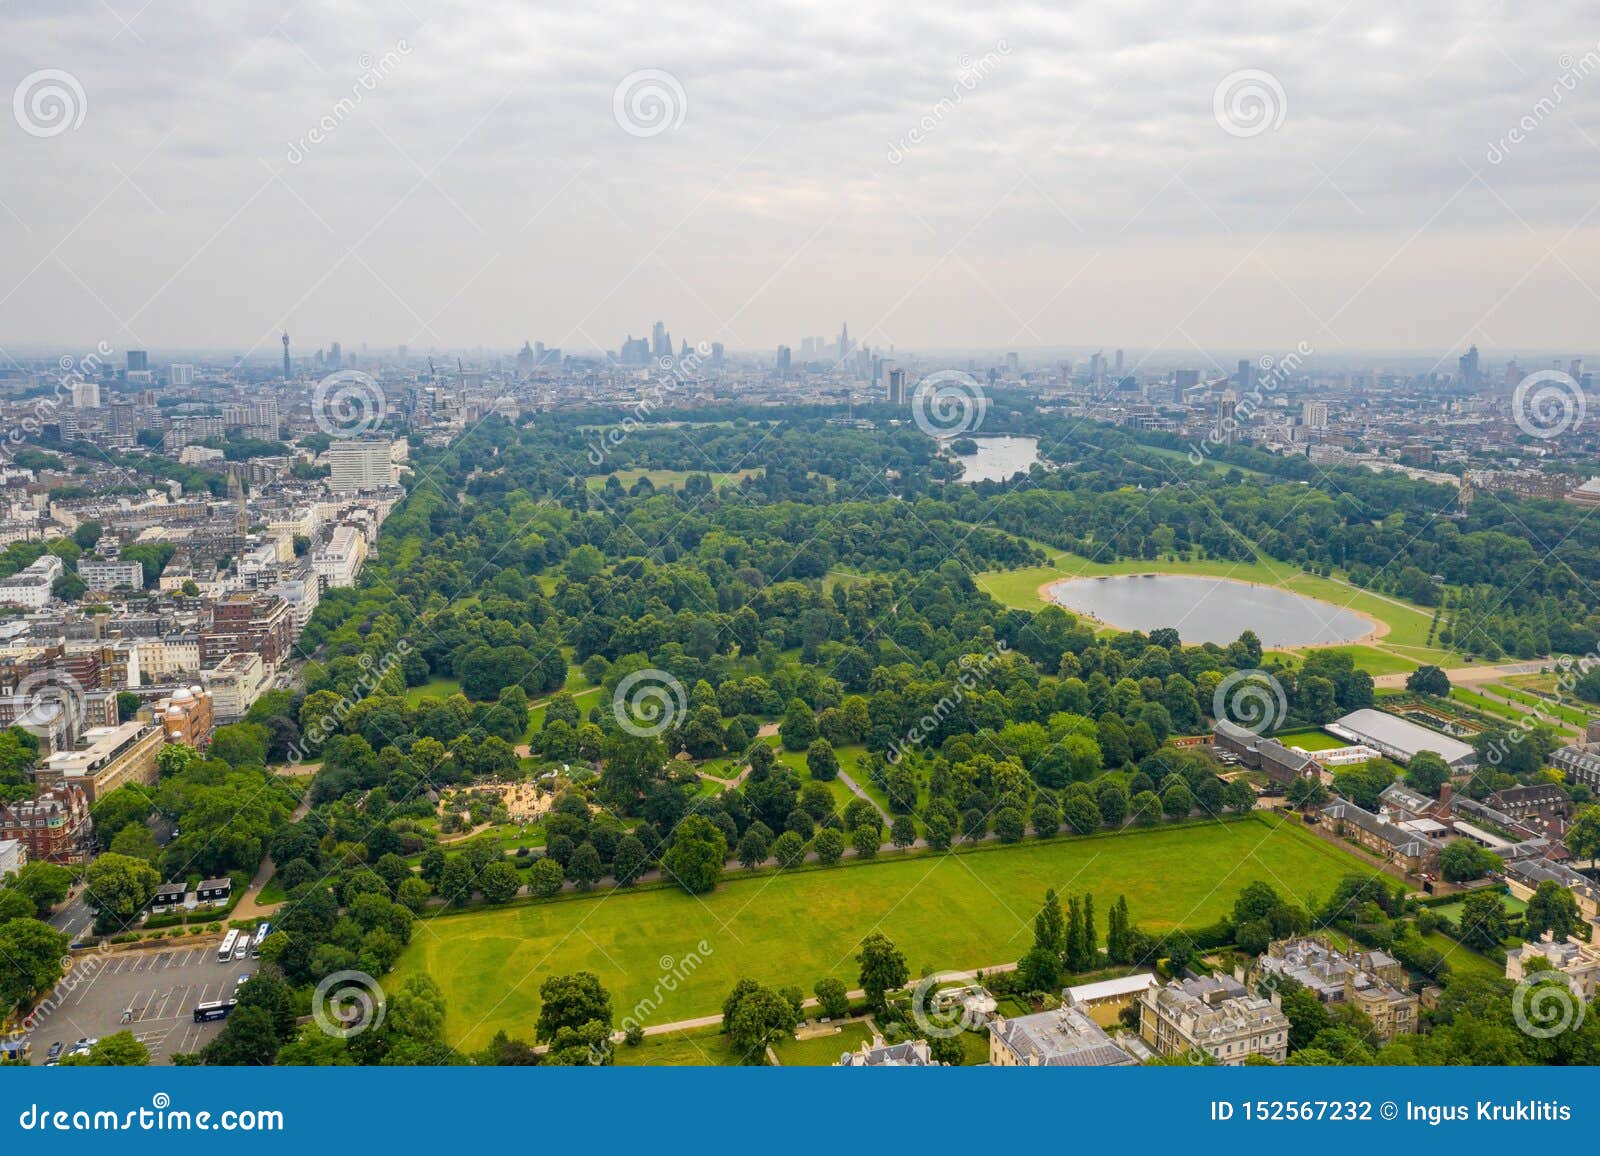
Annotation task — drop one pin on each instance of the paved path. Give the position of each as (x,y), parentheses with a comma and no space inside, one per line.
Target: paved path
(716,1020)
(888,820)
(1461,674)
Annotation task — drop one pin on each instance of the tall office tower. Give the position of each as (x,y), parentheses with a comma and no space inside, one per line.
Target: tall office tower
(716,353)
(286,374)
(1097,368)
(897,387)
(783,361)
(1186,379)
(1227,419)
(1118,373)
(1575,369)
(335,355)
(844,342)
(138,361)
(1013,365)
(660,341)
(1468,367)
(1245,379)
(180,374)
(86,395)
(1315,414)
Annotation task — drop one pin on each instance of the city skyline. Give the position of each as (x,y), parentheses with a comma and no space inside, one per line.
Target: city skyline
(1361,180)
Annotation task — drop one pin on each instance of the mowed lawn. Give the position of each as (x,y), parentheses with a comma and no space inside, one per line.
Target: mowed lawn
(945,911)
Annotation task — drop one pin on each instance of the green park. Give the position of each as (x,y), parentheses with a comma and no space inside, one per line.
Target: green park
(966,910)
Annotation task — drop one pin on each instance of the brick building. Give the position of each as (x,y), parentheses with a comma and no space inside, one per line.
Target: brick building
(53,826)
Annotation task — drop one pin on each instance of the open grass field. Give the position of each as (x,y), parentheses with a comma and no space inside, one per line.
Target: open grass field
(946,911)
(1569,714)
(699,1047)
(584,698)
(1463,960)
(433,688)
(1310,740)
(1214,466)
(824,1050)
(1407,636)
(1452,911)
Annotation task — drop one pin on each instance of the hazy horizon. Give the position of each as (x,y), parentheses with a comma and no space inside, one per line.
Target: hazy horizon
(1371,182)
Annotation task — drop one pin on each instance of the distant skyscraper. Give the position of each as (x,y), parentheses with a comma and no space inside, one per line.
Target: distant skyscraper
(1186,379)
(180,374)
(1468,365)
(335,355)
(138,361)
(1118,372)
(897,386)
(1227,419)
(286,373)
(716,353)
(844,342)
(1315,414)
(660,341)
(1245,379)
(783,361)
(1014,365)
(1097,368)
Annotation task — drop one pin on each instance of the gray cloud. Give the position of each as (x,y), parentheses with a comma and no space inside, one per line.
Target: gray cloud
(830,165)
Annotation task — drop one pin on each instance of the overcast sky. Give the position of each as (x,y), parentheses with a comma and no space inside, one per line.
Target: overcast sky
(936,175)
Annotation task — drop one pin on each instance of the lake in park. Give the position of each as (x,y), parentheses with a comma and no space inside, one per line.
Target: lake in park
(998,458)
(1210,609)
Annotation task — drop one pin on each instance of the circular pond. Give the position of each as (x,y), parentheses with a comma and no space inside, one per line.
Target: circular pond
(1210,609)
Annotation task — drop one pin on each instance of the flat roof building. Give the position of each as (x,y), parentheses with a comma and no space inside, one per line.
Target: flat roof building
(1063,1038)
(1398,739)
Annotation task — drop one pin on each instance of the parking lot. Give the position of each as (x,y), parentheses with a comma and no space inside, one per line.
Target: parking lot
(150,993)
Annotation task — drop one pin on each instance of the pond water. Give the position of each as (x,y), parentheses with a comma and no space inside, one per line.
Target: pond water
(998,458)
(1210,609)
